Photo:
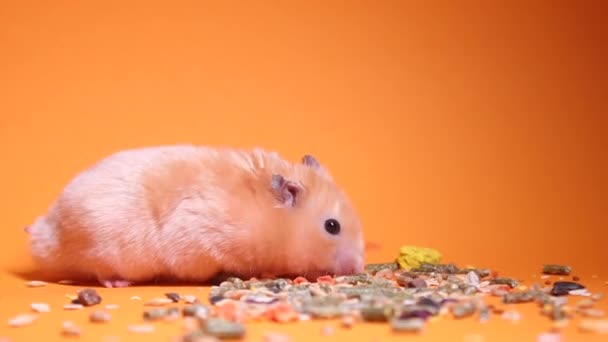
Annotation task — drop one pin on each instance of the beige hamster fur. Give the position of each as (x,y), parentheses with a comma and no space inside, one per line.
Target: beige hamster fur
(188,212)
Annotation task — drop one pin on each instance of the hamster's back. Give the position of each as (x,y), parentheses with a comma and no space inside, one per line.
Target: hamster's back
(114,209)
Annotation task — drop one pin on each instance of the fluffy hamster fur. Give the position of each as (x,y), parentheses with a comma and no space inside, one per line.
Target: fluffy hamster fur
(191,212)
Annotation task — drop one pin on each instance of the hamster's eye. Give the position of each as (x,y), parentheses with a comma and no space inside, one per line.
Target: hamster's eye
(332,226)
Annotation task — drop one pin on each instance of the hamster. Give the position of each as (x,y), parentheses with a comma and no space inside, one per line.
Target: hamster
(189,213)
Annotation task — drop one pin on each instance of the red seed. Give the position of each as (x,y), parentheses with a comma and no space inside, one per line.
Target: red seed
(326,279)
(300,280)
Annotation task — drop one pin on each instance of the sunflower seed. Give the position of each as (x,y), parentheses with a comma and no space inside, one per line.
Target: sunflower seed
(88,297)
(173,296)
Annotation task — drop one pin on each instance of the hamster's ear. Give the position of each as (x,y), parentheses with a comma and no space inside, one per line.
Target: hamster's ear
(285,191)
(312,162)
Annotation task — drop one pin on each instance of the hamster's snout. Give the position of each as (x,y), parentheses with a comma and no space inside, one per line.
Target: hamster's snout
(349,262)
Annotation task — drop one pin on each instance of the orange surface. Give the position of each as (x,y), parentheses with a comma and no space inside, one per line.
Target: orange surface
(476,128)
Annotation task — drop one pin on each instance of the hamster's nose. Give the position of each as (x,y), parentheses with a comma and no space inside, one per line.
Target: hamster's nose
(349,263)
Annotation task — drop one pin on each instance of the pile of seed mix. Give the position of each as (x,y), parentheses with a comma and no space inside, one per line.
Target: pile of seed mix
(406,299)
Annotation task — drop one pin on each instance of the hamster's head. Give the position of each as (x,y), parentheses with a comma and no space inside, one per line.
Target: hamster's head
(323,233)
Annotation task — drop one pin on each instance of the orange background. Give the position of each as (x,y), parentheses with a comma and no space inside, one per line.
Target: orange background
(477,128)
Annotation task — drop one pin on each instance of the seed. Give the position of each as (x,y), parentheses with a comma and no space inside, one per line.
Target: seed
(158,302)
(471,279)
(88,297)
(594,313)
(22,320)
(557,269)
(385,273)
(518,297)
(141,328)
(221,328)
(505,281)
(66,282)
(596,326)
(190,299)
(198,336)
(327,330)
(374,268)
(136,298)
(36,283)
(463,309)
(99,316)
(155,314)
(348,321)
(585,303)
(561,288)
(73,306)
(40,307)
(70,329)
(407,325)
(548,337)
(511,315)
(275,337)
(173,296)
(374,313)
(112,306)
(196,310)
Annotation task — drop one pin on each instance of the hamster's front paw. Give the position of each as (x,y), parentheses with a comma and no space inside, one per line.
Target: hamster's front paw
(115,283)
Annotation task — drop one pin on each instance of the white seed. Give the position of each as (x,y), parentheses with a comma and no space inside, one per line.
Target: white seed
(36,283)
(275,337)
(141,328)
(70,329)
(22,320)
(112,306)
(548,337)
(73,306)
(597,326)
(327,330)
(472,279)
(40,307)
(545,276)
(190,299)
(99,316)
(594,313)
(511,316)
(136,298)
